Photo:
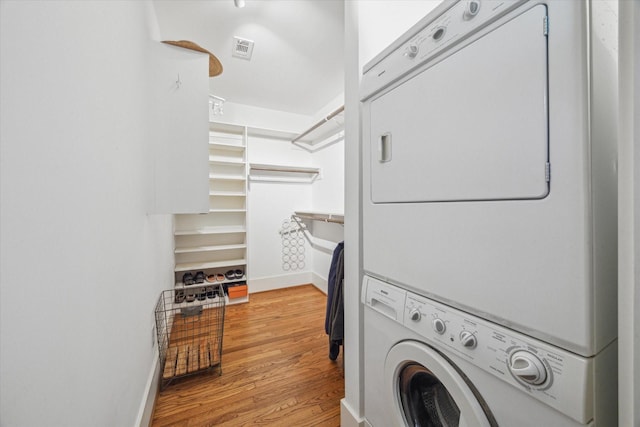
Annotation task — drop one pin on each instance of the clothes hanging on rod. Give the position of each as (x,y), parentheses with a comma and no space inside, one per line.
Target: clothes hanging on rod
(334,320)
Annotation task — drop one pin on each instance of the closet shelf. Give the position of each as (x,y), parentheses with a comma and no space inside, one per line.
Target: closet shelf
(217,161)
(180,285)
(284,169)
(226,146)
(211,230)
(188,266)
(226,210)
(321,131)
(270,133)
(280,173)
(323,217)
(229,129)
(227,177)
(254,131)
(210,248)
(227,193)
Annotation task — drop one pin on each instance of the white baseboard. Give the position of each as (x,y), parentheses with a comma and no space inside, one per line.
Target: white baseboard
(149,399)
(348,418)
(278,282)
(320,282)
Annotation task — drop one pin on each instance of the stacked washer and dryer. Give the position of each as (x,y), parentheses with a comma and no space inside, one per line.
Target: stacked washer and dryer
(489,219)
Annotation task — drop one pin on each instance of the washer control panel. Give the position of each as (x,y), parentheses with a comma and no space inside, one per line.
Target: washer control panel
(451,26)
(552,375)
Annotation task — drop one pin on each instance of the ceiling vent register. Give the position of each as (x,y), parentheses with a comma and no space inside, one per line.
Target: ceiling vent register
(242,48)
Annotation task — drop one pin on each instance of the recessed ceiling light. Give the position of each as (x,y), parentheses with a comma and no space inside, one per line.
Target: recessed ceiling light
(239,3)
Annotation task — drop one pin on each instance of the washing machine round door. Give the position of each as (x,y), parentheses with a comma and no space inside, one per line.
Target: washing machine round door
(428,390)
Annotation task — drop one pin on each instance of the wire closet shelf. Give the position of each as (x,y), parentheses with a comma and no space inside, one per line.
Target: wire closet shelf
(316,216)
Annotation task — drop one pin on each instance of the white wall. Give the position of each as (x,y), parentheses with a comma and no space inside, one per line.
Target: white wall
(269,204)
(327,197)
(82,263)
(629,216)
(369,27)
(382,22)
(352,409)
(328,192)
(329,108)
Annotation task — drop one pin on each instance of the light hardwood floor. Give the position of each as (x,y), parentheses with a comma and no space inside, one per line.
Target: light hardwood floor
(275,369)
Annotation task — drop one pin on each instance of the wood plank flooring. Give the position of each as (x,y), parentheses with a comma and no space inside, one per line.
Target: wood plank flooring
(275,369)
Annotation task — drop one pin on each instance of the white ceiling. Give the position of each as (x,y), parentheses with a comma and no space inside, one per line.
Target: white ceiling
(297,63)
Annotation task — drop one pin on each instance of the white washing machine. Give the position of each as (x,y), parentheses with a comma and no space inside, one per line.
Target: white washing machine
(428,364)
(489,167)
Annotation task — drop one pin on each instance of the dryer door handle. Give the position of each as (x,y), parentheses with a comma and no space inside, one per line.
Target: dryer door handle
(384,148)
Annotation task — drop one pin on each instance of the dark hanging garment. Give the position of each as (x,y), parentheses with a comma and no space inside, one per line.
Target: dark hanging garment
(331,283)
(334,321)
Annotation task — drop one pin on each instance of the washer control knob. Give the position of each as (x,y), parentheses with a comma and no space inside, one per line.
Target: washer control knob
(472,9)
(439,325)
(411,51)
(527,367)
(415,314)
(468,340)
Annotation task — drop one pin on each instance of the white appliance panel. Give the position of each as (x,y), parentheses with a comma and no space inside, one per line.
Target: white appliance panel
(474,126)
(545,267)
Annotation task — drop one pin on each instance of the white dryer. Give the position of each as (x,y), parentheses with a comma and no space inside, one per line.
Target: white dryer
(428,364)
(489,167)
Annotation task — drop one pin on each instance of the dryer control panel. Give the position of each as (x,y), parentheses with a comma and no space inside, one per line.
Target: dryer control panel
(456,23)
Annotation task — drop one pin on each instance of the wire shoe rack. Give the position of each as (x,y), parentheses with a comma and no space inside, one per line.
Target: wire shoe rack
(190,333)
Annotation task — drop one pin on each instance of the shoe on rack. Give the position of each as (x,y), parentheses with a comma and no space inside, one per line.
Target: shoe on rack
(239,274)
(187,279)
(179,296)
(199,277)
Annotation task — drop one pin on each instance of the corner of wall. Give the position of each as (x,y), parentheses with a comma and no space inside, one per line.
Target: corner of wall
(628,215)
(348,417)
(319,282)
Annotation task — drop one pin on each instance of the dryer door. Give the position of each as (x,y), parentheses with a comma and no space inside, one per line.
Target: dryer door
(470,127)
(427,390)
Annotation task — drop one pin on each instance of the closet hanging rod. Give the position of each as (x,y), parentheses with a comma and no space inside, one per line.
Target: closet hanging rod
(317,125)
(275,168)
(334,218)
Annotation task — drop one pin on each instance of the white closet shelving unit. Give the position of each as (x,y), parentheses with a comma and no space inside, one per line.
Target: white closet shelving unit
(216,242)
